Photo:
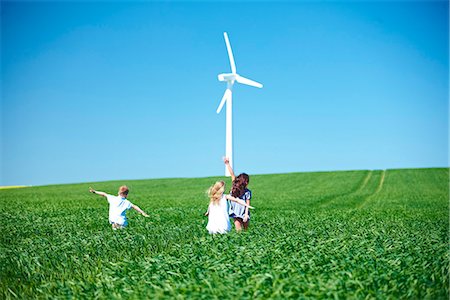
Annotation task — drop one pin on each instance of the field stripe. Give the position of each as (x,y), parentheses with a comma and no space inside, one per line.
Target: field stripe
(12,187)
(330,199)
(379,187)
(366,180)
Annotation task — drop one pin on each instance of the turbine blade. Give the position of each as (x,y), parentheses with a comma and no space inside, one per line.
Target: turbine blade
(230,53)
(247,81)
(225,97)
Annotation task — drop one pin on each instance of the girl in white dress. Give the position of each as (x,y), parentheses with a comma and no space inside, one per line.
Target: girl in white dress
(218,219)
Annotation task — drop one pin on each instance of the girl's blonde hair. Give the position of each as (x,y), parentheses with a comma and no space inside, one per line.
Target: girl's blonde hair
(215,192)
(123,190)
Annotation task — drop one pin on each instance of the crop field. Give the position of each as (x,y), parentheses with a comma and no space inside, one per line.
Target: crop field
(353,234)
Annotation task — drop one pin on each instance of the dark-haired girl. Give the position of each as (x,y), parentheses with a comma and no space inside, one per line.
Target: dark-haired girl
(239,213)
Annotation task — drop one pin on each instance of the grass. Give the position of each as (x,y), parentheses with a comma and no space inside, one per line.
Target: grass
(355,234)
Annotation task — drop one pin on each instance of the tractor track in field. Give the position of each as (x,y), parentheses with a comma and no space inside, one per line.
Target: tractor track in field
(379,188)
(360,187)
(366,180)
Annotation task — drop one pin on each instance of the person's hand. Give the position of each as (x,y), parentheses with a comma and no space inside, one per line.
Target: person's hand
(207,213)
(226,160)
(91,190)
(145,215)
(245,218)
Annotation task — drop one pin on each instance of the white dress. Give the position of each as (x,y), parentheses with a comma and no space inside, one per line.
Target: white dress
(118,206)
(218,219)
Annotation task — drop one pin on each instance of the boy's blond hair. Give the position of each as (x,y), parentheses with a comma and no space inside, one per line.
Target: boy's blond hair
(123,190)
(215,192)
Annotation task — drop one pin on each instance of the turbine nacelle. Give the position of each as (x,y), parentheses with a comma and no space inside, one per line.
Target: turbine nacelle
(227,77)
(230,78)
(233,76)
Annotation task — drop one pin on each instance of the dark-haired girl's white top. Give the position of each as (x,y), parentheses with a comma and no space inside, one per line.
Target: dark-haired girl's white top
(238,211)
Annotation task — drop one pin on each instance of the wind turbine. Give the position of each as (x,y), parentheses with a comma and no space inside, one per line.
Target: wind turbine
(230,78)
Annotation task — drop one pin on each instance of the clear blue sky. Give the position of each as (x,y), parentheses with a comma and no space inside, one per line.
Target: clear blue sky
(104,90)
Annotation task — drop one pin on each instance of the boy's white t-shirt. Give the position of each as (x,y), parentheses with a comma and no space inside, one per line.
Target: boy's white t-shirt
(117,209)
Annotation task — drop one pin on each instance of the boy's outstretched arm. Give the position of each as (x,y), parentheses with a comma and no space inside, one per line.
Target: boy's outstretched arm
(97,192)
(136,208)
(237,200)
(226,160)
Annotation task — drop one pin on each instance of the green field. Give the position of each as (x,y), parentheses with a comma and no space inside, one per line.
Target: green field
(352,234)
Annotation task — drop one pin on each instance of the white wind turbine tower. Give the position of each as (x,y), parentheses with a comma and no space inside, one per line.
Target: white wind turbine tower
(230,78)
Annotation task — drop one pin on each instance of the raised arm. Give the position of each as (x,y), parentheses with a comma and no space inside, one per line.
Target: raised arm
(135,207)
(226,160)
(97,192)
(237,200)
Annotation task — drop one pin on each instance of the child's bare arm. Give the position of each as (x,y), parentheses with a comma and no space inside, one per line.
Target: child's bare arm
(135,207)
(226,160)
(246,211)
(237,200)
(97,192)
